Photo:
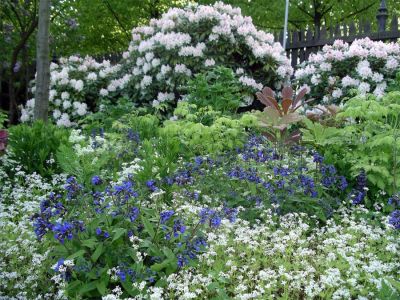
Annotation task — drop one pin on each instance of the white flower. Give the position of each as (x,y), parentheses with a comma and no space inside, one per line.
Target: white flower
(391,63)
(66,104)
(78,85)
(146,81)
(92,76)
(337,93)
(103,92)
(364,88)
(56,114)
(363,69)
(209,62)
(64,95)
(64,121)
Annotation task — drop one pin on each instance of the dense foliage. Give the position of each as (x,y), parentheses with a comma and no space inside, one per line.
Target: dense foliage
(368,139)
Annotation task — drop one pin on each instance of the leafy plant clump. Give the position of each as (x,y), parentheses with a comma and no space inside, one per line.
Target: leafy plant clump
(205,131)
(368,140)
(118,234)
(35,147)
(218,88)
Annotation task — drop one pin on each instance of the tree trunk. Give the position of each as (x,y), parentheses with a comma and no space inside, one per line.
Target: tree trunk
(42,63)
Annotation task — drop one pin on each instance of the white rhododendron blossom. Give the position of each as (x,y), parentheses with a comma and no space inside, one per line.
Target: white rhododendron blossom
(363,67)
(75,85)
(164,55)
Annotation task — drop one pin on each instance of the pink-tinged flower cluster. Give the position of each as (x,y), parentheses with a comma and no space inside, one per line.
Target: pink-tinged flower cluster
(164,55)
(342,70)
(75,83)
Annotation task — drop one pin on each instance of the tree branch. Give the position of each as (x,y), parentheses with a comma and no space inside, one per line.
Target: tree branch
(117,18)
(357,12)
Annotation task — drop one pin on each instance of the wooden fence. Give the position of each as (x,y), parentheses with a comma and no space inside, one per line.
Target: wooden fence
(300,44)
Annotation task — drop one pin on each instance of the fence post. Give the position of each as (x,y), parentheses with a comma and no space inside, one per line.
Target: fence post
(382,16)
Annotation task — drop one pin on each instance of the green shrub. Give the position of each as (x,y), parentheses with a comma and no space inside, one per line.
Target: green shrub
(219,133)
(34,147)
(218,88)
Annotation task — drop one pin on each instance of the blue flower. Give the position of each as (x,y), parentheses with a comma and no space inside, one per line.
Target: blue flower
(182,260)
(178,228)
(121,275)
(317,158)
(62,231)
(165,216)
(98,231)
(215,221)
(96,180)
(41,226)
(133,214)
(394,200)
(106,234)
(151,185)
(231,214)
(60,263)
(394,219)
(72,187)
(358,197)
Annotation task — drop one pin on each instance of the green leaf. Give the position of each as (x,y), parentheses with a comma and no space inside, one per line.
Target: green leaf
(87,287)
(101,287)
(79,253)
(118,233)
(148,226)
(90,243)
(99,250)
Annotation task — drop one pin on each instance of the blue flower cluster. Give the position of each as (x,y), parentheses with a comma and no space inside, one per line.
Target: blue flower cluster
(394,219)
(72,187)
(192,249)
(360,192)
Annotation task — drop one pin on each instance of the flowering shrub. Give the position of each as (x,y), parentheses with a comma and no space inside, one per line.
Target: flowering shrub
(163,56)
(335,72)
(74,86)
(348,258)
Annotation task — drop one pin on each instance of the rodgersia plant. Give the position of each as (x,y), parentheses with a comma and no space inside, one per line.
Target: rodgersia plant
(340,71)
(75,84)
(163,56)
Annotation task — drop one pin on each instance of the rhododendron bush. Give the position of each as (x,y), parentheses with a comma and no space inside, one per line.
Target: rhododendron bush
(163,56)
(342,70)
(74,89)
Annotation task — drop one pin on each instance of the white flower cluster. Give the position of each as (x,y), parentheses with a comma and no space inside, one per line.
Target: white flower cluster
(362,67)
(183,42)
(345,259)
(23,273)
(73,82)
